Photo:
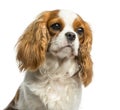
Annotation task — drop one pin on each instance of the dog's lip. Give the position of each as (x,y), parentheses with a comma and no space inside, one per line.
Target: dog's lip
(65,47)
(61,48)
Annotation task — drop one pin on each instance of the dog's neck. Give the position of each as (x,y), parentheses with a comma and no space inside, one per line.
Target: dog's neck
(59,68)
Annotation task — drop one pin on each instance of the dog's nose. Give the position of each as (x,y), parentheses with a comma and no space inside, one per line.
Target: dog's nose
(70,36)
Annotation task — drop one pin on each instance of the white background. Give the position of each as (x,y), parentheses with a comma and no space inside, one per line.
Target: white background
(104,18)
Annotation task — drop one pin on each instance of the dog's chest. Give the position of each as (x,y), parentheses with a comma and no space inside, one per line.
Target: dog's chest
(64,94)
(56,87)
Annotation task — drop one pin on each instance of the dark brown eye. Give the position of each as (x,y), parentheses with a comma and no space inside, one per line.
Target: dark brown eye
(80,30)
(56,26)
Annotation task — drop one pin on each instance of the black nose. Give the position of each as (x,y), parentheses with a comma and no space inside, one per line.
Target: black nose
(70,36)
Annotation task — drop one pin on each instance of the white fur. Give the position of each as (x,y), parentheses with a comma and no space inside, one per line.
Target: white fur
(69,17)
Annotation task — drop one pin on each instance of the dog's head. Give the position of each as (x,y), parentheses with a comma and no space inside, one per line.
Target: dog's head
(63,34)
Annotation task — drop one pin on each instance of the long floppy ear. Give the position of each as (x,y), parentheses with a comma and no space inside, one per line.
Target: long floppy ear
(85,60)
(32,45)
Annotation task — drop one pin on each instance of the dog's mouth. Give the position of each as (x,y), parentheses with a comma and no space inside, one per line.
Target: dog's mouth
(64,49)
(64,52)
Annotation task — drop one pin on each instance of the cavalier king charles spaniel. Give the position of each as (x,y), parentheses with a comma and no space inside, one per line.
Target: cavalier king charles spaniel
(54,50)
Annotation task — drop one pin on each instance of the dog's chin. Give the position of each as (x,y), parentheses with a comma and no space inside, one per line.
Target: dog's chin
(64,52)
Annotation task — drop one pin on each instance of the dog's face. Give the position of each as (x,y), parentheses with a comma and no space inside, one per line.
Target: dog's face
(65,34)
(61,33)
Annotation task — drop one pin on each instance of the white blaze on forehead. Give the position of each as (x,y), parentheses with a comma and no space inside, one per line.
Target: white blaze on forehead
(67,16)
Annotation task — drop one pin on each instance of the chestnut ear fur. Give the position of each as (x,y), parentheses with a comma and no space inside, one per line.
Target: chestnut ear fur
(85,60)
(32,45)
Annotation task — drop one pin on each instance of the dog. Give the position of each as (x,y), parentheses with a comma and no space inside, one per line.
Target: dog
(54,51)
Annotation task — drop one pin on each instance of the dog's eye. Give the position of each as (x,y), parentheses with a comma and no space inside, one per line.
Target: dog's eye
(56,26)
(80,30)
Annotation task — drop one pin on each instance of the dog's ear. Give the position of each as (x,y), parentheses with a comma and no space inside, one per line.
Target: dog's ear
(32,45)
(85,60)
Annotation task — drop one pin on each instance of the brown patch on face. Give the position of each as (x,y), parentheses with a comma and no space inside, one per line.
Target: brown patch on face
(78,22)
(54,18)
(76,25)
